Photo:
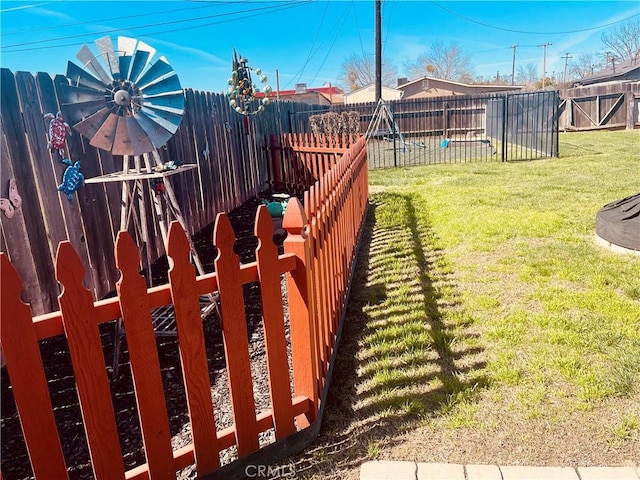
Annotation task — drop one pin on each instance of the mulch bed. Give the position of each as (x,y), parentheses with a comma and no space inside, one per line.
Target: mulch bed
(14,458)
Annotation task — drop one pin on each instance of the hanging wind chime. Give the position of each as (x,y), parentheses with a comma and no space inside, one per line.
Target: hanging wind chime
(243,92)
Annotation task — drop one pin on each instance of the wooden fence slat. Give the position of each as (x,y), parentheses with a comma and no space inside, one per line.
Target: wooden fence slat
(143,355)
(85,349)
(302,310)
(26,371)
(273,319)
(182,278)
(14,232)
(17,142)
(71,220)
(234,330)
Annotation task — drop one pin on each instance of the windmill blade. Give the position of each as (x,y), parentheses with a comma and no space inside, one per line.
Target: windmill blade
(90,125)
(168,120)
(158,135)
(105,47)
(140,60)
(91,62)
(174,102)
(127,46)
(75,112)
(126,49)
(131,107)
(103,138)
(72,94)
(155,72)
(166,85)
(130,139)
(82,78)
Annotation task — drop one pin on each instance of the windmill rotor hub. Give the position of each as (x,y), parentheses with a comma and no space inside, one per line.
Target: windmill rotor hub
(122,98)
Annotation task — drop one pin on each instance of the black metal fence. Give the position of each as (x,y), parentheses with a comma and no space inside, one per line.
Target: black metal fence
(478,128)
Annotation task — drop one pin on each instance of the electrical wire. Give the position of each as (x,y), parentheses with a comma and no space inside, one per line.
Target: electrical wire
(313,43)
(344,18)
(119,18)
(355,16)
(25,7)
(529,32)
(259,11)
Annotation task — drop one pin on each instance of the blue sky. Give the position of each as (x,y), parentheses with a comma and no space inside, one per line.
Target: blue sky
(306,41)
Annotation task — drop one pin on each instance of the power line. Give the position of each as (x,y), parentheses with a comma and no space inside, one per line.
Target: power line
(319,47)
(120,18)
(259,11)
(313,44)
(355,16)
(158,24)
(344,18)
(25,7)
(525,31)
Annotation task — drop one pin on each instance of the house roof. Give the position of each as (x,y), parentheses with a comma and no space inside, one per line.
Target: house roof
(612,72)
(467,85)
(325,91)
(368,86)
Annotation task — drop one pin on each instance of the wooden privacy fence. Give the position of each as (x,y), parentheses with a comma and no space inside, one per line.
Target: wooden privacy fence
(318,263)
(596,107)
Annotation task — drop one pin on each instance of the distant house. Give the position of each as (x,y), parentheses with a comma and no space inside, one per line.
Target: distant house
(367,94)
(624,71)
(425,87)
(326,95)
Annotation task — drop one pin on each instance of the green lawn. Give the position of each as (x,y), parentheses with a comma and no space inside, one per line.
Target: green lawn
(488,326)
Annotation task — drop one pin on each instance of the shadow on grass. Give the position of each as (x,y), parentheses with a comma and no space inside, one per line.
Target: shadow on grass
(407,352)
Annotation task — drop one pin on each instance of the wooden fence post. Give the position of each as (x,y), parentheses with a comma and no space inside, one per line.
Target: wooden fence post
(30,389)
(182,277)
(273,318)
(235,336)
(301,311)
(85,348)
(145,366)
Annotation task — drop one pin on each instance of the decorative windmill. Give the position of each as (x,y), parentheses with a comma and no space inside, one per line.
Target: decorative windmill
(124,103)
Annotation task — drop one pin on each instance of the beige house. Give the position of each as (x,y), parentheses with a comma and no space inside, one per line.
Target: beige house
(367,94)
(436,87)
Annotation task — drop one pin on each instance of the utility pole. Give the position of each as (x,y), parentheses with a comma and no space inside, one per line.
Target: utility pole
(378,52)
(566,59)
(544,62)
(513,65)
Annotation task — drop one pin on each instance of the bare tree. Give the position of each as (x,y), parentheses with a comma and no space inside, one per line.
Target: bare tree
(360,70)
(624,41)
(527,75)
(448,62)
(584,66)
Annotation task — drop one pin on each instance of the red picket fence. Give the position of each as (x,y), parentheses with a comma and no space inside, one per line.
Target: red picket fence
(318,261)
(298,160)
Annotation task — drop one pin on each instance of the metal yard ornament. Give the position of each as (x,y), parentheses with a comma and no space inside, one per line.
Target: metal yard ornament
(242,91)
(71,179)
(57,132)
(123,103)
(9,205)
